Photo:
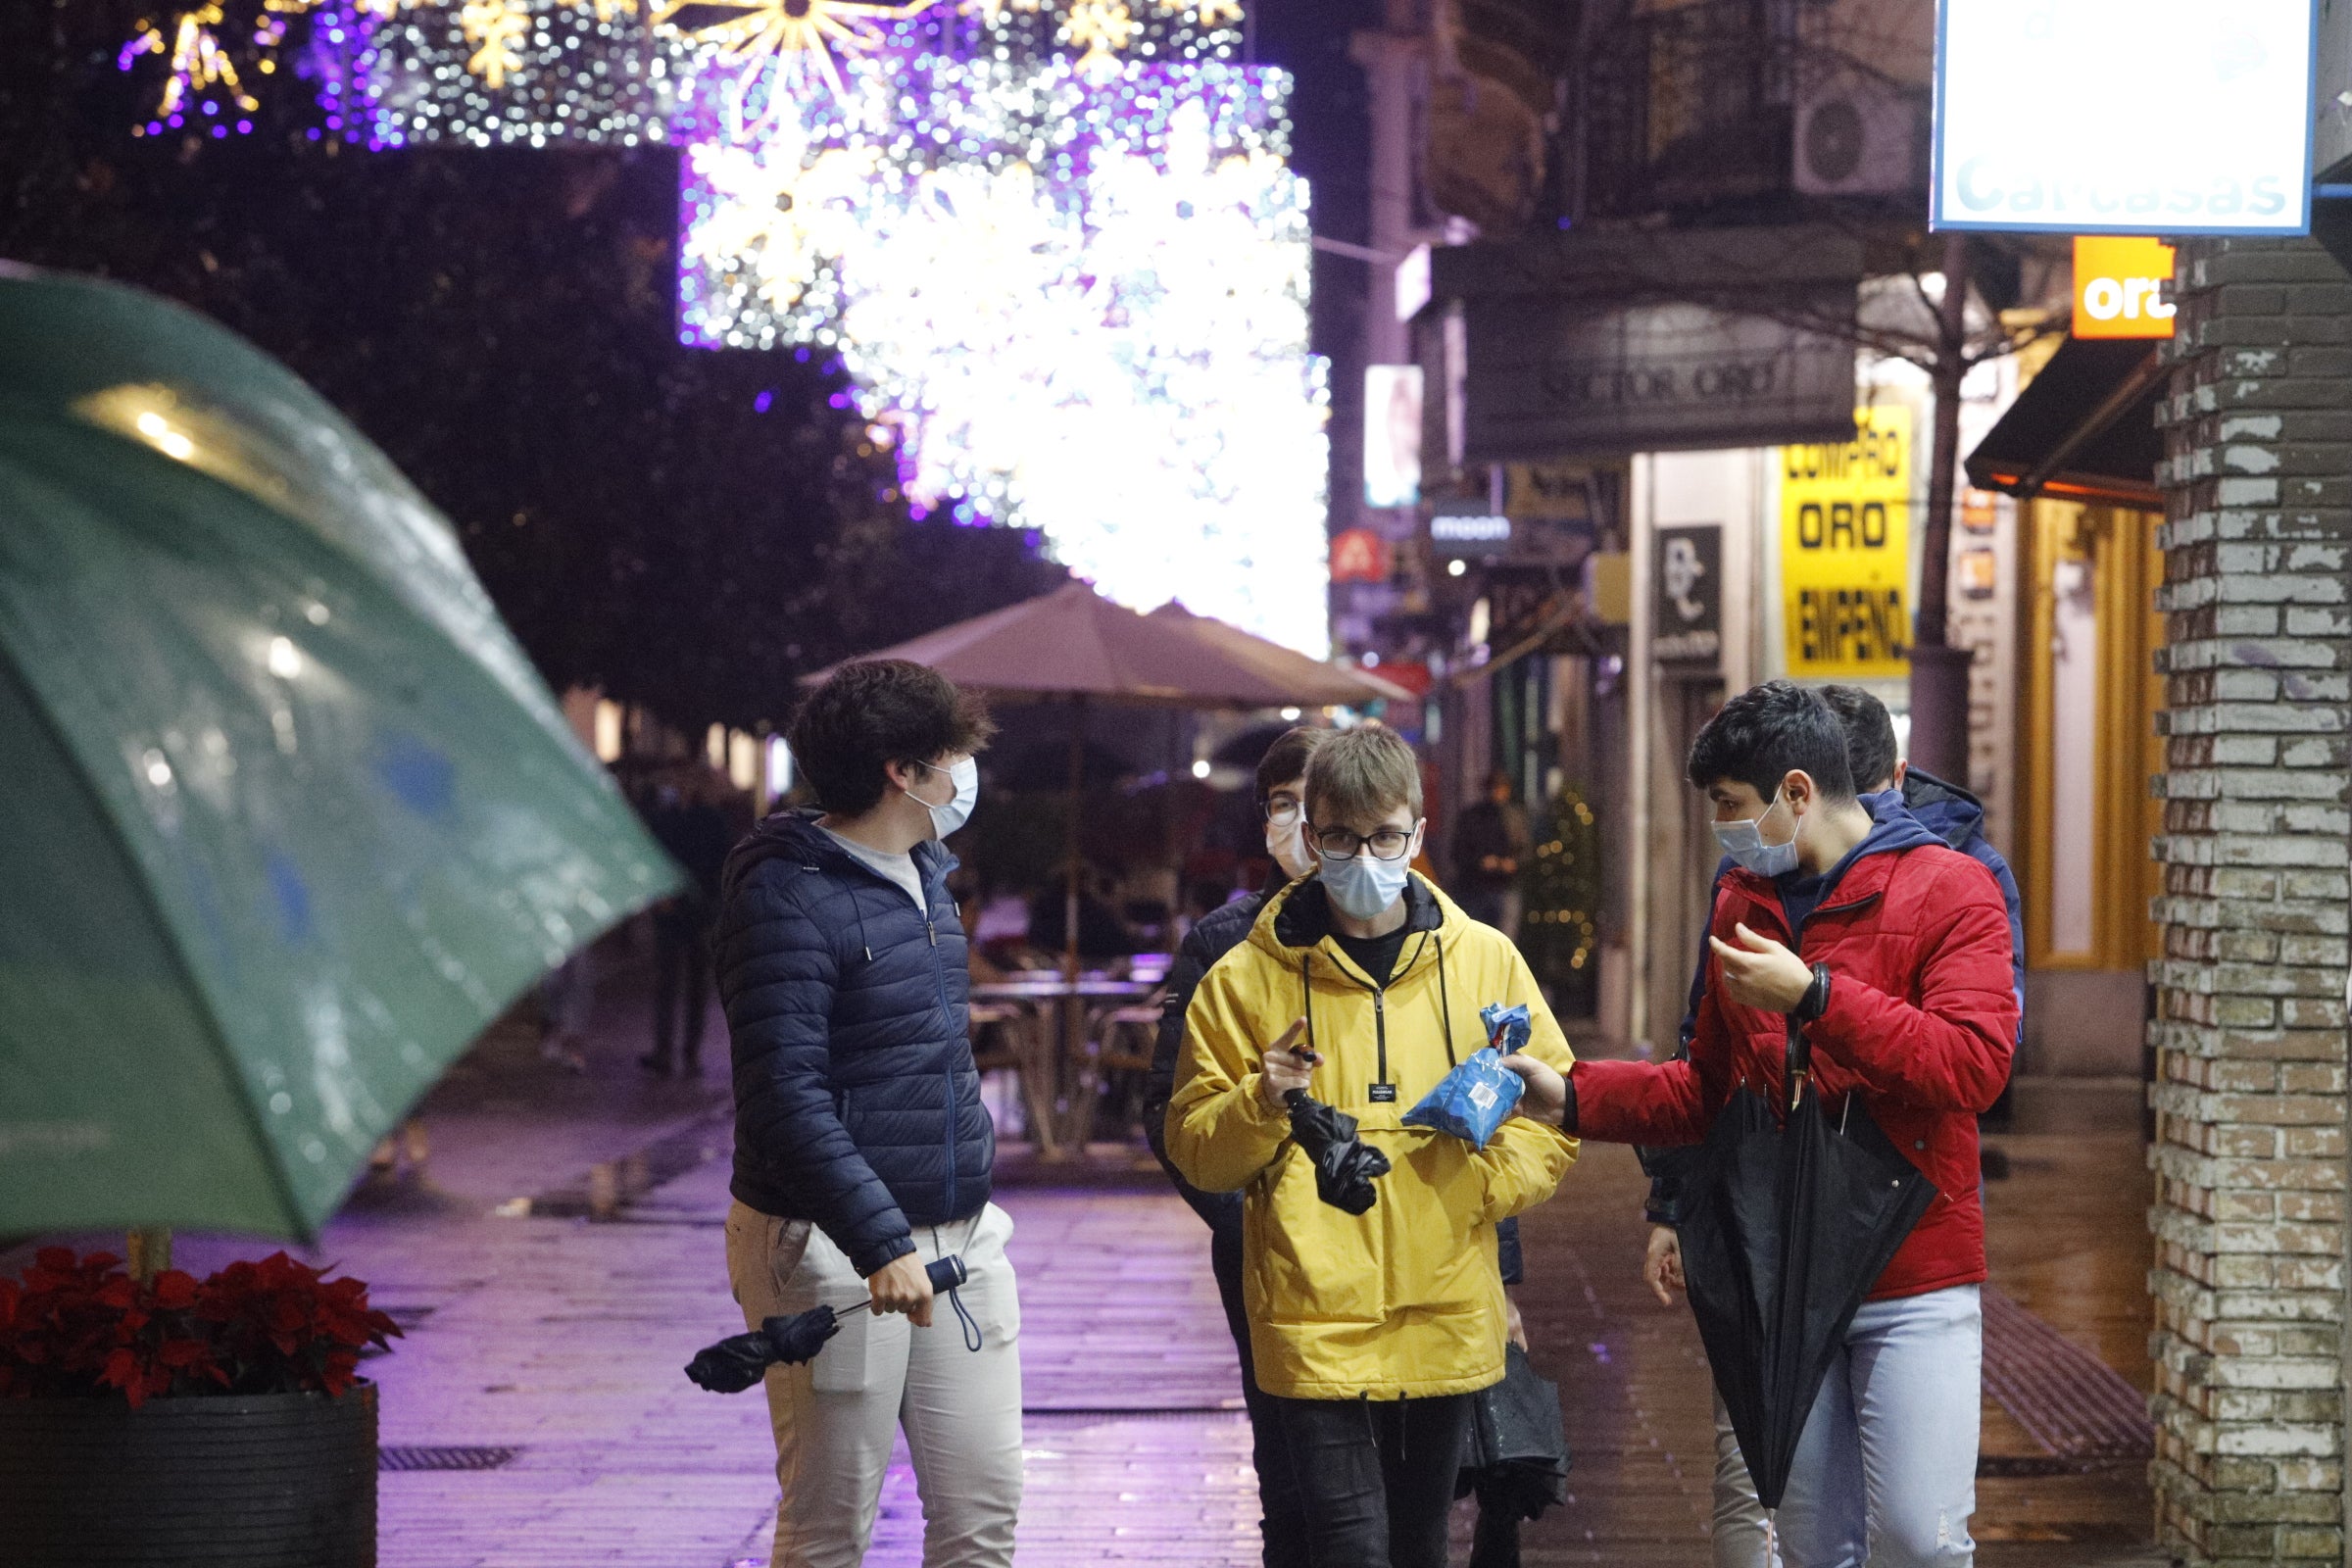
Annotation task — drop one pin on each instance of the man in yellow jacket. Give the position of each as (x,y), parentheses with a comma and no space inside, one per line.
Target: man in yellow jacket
(1363,984)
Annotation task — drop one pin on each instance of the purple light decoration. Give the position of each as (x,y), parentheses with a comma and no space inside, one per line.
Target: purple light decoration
(763,402)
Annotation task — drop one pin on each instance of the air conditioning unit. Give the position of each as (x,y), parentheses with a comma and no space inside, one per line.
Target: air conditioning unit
(1859,135)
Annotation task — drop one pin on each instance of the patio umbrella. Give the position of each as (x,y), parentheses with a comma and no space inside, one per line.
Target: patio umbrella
(1783,1230)
(1075,645)
(289,817)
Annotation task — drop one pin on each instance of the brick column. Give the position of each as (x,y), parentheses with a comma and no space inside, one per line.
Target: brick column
(2249,1283)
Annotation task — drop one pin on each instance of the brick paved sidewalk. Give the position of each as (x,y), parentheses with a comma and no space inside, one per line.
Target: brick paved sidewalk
(561,1338)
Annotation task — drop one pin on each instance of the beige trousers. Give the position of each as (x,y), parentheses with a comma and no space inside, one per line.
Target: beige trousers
(835,1418)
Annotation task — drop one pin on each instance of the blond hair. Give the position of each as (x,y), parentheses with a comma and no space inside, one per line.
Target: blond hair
(1362,775)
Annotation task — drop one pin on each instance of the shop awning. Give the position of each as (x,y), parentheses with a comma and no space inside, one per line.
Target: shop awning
(2084,429)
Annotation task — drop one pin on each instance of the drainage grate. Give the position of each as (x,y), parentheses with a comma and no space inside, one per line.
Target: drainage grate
(2071,1403)
(2039,1466)
(1098,1416)
(443,1458)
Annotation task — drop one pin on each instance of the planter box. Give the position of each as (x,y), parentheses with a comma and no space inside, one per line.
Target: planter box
(263,1481)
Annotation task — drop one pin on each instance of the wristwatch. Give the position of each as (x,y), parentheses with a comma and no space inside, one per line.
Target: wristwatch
(1816,999)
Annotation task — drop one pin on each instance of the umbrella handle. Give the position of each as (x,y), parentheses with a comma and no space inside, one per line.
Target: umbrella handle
(1797,1087)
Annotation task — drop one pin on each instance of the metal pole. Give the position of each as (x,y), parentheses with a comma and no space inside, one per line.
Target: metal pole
(1637,721)
(1067,1076)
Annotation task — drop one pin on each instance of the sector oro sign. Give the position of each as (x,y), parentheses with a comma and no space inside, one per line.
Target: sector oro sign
(2125,117)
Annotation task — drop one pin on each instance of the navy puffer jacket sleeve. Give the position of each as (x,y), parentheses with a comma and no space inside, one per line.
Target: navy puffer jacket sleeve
(779,1005)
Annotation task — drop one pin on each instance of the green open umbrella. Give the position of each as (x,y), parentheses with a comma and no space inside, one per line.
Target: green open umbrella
(287,816)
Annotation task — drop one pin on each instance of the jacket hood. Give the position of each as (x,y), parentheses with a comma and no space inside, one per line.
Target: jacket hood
(1299,915)
(1949,812)
(794,835)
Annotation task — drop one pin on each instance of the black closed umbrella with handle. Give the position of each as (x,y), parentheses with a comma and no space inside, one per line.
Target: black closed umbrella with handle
(1785,1227)
(1345,1166)
(740,1361)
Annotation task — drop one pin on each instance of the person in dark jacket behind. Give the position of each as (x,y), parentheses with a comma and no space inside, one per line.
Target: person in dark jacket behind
(862,1151)
(691,825)
(1282,801)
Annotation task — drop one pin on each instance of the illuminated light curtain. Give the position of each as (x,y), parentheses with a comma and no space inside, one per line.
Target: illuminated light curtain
(1077,295)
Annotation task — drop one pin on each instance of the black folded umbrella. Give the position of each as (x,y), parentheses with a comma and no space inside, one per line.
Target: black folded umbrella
(1785,1226)
(1345,1167)
(740,1361)
(1516,1456)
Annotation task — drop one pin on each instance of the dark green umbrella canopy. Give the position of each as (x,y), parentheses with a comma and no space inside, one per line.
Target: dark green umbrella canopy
(289,817)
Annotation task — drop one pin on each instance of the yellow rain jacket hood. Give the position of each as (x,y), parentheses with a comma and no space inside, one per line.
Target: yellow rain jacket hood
(1404,1300)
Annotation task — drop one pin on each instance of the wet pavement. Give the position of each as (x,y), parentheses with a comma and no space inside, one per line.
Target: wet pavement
(560,1255)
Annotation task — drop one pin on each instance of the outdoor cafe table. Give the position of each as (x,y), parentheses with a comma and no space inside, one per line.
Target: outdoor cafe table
(1057,1091)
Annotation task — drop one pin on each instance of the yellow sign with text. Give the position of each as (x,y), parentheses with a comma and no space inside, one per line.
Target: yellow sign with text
(1845,550)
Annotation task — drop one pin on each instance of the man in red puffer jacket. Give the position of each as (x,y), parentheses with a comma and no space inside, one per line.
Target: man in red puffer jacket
(1893,952)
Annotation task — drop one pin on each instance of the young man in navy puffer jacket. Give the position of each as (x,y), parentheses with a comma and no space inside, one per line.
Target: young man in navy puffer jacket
(862,1151)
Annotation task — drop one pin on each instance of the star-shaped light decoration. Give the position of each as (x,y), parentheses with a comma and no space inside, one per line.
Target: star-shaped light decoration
(495,28)
(198,62)
(1212,13)
(792,38)
(1102,28)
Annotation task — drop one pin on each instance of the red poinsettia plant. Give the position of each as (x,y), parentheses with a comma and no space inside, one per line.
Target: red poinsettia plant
(80,1326)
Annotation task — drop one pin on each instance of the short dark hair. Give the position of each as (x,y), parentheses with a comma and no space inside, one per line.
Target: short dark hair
(872,713)
(1869,734)
(1286,759)
(1767,731)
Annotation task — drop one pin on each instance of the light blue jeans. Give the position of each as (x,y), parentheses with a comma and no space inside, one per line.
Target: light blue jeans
(1886,1473)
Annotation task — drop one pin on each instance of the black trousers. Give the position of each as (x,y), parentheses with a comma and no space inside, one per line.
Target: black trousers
(1376,1475)
(1283,1520)
(681,985)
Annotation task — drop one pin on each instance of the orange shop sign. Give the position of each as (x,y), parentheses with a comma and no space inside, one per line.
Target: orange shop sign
(2119,286)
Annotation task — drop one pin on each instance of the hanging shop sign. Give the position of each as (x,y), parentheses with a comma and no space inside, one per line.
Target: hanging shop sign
(1359,555)
(2120,283)
(1476,532)
(1845,550)
(1392,435)
(1687,608)
(1550,377)
(2033,128)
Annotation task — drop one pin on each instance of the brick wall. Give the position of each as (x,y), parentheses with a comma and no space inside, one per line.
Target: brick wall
(2249,1157)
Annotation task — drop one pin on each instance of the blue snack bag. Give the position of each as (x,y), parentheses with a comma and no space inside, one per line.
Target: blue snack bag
(1472,1100)
(1507,1028)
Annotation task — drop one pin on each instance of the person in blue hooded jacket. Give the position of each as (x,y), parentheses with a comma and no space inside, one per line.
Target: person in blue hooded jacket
(862,1151)
(1957,818)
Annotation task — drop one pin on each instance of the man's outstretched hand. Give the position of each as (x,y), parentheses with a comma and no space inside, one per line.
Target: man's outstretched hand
(1760,972)
(1546,1097)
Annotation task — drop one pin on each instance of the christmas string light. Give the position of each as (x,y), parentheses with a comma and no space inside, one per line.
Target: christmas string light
(568,71)
(197,66)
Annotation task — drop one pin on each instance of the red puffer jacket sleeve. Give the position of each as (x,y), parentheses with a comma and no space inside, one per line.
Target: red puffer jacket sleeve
(1660,1102)
(1951,1050)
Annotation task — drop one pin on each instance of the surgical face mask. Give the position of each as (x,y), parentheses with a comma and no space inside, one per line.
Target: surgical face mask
(1365,885)
(964,776)
(1744,843)
(1286,839)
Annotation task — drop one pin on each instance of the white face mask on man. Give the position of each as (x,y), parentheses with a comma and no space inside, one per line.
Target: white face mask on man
(1744,843)
(963,779)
